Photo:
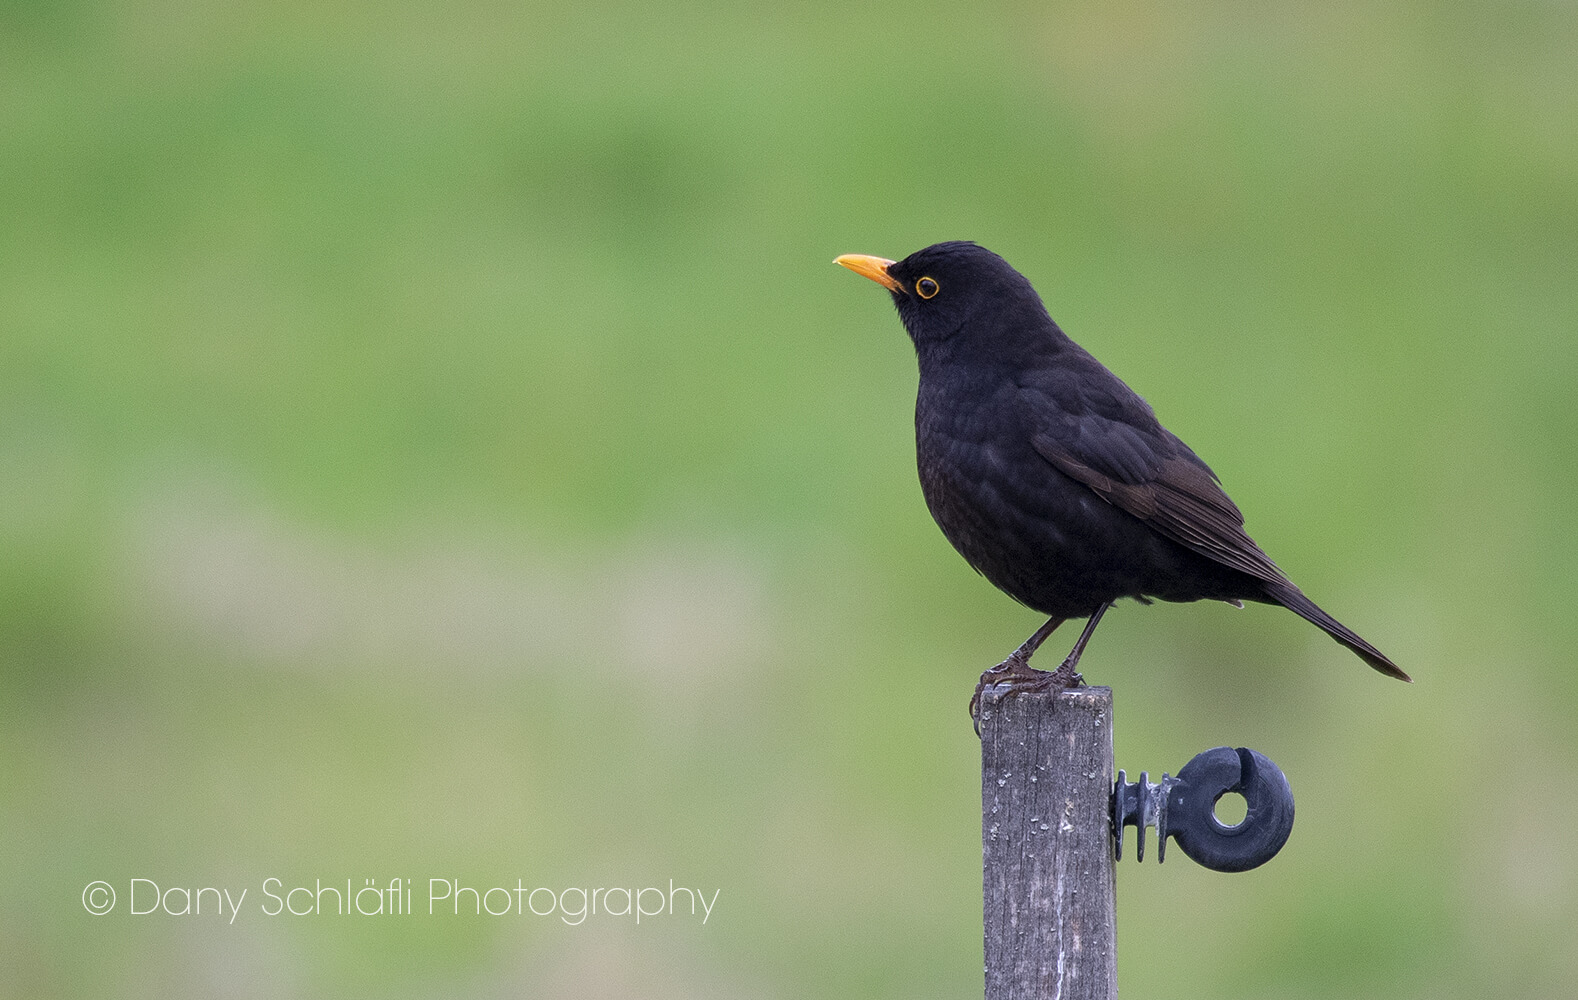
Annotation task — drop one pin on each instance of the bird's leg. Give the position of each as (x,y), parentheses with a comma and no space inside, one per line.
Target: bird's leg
(1016,671)
(1064,676)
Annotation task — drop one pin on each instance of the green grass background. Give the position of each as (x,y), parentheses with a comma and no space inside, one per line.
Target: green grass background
(434,441)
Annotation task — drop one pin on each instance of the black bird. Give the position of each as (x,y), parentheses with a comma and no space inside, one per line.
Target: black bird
(1052,477)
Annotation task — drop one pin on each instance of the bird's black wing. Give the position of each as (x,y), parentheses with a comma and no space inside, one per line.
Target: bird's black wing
(1094,429)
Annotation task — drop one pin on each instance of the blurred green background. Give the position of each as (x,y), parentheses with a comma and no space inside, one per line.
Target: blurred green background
(435,442)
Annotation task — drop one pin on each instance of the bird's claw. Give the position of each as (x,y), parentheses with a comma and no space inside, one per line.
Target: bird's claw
(1018,676)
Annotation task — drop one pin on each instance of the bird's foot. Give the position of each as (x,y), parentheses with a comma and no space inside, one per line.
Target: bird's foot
(1065,675)
(1018,676)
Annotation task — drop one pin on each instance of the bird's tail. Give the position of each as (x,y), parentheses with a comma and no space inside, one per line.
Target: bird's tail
(1292,598)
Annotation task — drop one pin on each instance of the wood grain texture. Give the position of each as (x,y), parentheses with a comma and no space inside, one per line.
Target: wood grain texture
(1049,887)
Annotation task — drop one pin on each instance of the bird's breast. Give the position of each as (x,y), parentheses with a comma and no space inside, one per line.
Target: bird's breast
(997,502)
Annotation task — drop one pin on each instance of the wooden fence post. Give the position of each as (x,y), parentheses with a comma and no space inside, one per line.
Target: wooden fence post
(1050,891)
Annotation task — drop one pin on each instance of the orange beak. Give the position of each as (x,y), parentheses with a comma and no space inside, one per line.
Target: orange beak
(875,268)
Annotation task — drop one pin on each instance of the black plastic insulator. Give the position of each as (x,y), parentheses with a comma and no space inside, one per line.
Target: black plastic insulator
(1184,808)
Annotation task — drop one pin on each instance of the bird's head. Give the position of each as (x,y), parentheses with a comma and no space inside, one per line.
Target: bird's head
(951,287)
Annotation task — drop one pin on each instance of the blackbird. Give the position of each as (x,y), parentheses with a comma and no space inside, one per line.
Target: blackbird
(1051,476)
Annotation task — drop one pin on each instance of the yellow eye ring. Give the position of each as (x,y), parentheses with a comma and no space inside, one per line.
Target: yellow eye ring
(926,288)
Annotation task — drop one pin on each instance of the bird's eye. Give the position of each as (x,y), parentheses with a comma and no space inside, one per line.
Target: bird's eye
(926,288)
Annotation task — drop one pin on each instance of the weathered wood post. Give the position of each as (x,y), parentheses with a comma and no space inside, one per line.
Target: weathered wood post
(1050,891)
